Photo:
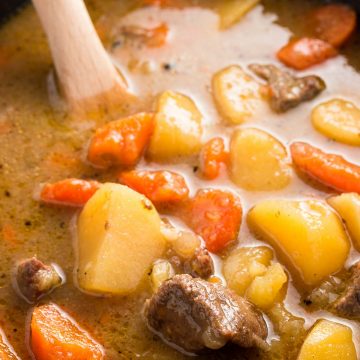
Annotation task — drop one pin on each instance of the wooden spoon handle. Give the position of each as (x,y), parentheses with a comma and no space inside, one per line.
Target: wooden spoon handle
(86,74)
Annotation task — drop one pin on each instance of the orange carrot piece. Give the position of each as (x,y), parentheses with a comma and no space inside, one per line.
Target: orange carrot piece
(9,234)
(154,37)
(333,23)
(6,350)
(161,187)
(329,169)
(71,192)
(216,216)
(55,336)
(121,142)
(305,52)
(212,155)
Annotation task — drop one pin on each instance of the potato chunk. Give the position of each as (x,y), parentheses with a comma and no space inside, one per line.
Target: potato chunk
(178,128)
(119,238)
(243,265)
(348,207)
(339,120)
(307,234)
(328,340)
(265,289)
(237,94)
(258,161)
(231,11)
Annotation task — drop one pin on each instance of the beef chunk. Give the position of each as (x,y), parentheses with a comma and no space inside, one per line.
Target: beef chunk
(200,265)
(286,91)
(348,304)
(35,279)
(196,315)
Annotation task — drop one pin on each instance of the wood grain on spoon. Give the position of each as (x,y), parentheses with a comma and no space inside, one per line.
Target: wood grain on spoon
(88,79)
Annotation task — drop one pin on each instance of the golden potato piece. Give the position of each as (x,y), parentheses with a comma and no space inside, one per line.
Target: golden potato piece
(162,270)
(328,340)
(231,11)
(258,161)
(242,266)
(339,120)
(178,128)
(236,94)
(348,207)
(307,235)
(118,239)
(264,290)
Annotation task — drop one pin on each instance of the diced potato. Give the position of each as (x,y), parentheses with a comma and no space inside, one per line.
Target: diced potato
(237,95)
(186,244)
(264,290)
(178,128)
(307,234)
(348,207)
(328,340)
(119,238)
(243,265)
(258,161)
(162,270)
(339,120)
(231,11)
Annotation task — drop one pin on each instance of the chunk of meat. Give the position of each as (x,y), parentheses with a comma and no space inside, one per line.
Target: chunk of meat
(348,304)
(330,169)
(303,53)
(333,23)
(216,216)
(195,315)
(34,279)
(212,156)
(54,335)
(287,91)
(69,192)
(161,187)
(121,142)
(200,265)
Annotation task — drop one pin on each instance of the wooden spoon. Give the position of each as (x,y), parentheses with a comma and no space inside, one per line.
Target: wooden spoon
(87,76)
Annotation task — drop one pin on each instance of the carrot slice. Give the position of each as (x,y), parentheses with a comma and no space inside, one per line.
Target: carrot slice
(71,192)
(212,155)
(161,187)
(216,216)
(305,52)
(55,336)
(154,37)
(329,169)
(6,350)
(333,23)
(121,142)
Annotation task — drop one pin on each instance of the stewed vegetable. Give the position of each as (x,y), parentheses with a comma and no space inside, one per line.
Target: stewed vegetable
(215,212)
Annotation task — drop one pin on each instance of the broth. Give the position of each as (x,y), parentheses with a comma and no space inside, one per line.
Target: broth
(40,143)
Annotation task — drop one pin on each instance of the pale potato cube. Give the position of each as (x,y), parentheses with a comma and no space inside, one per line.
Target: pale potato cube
(258,161)
(237,95)
(118,239)
(339,120)
(328,340)
(178,128)
(243,265)
(162,270)
(186,244)
(348,207)
(231,11)
(307,234)
(264,290)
